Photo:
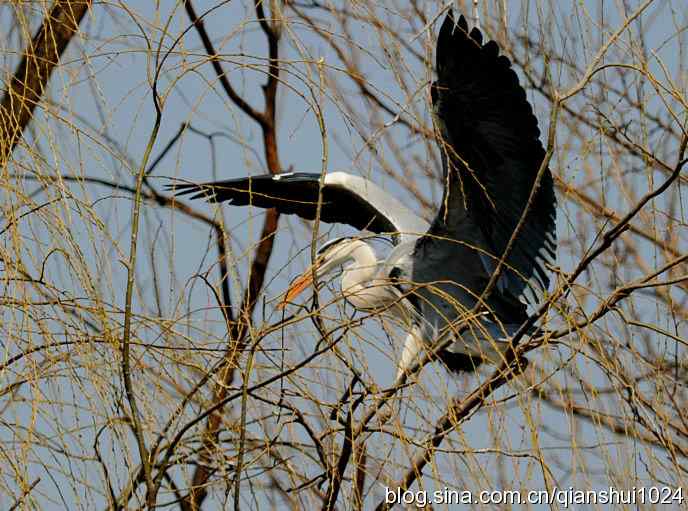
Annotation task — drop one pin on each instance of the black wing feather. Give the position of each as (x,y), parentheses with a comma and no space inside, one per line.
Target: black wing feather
(294,193)
(490,139)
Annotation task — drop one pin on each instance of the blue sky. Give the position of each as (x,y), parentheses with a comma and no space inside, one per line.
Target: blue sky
(99,120)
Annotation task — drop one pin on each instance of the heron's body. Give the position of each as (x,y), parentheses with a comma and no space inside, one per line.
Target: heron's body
(497,213)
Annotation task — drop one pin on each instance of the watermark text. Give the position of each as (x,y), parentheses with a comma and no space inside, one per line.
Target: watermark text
(564,497)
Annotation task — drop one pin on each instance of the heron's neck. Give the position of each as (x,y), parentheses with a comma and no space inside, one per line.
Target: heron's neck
(363,268)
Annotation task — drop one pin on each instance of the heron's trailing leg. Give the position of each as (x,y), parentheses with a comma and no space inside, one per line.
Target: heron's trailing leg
(412,347)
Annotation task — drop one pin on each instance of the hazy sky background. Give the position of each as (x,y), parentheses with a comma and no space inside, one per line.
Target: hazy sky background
(103,91)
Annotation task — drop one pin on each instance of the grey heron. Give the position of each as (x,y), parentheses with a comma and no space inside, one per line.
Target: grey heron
(491,154)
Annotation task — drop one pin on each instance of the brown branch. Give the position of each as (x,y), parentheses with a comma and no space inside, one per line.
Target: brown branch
(259,117)
(273,33)
(361,458)
(238,329)
(41,56)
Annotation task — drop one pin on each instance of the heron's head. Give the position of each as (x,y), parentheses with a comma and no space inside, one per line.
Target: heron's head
(330,256)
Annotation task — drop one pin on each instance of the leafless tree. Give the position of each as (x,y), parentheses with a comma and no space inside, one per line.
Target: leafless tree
(145,363)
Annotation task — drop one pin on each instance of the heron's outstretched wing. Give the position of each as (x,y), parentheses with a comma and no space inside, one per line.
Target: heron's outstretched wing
(491,154)
(346,199)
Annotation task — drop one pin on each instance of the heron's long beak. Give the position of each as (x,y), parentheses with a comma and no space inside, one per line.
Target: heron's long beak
(335,255)
(297,287)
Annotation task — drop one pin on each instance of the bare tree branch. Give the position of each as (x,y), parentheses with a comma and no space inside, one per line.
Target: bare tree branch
(25,89)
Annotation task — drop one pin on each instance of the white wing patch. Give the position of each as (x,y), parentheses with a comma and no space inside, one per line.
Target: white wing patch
(279,176)
(407,223)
